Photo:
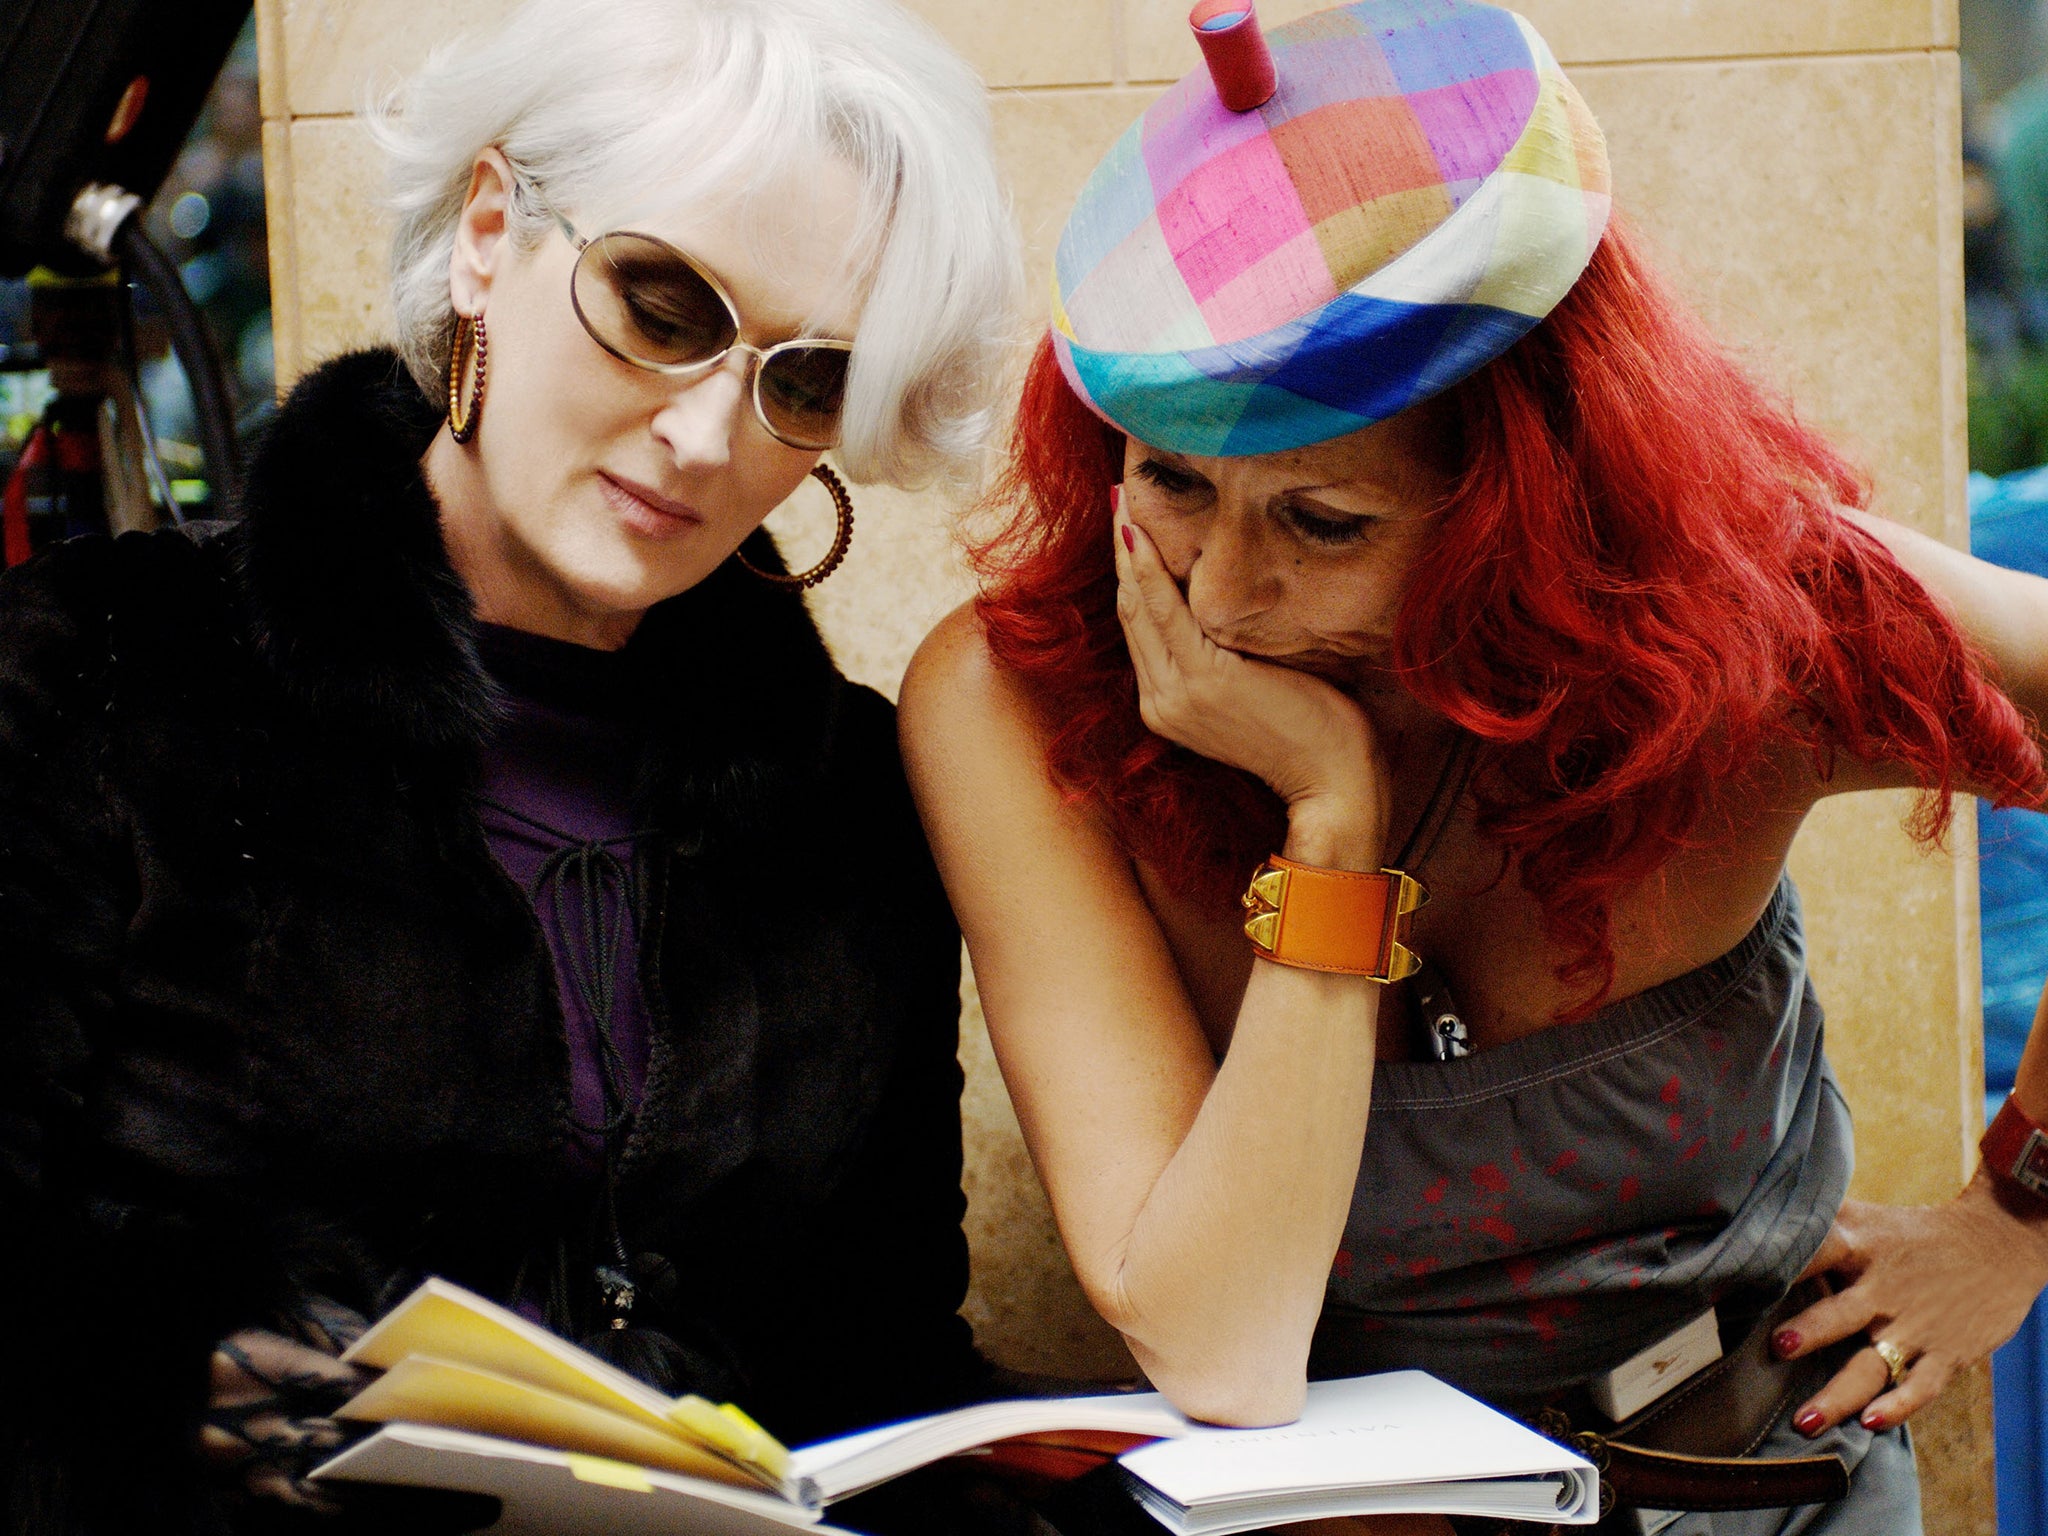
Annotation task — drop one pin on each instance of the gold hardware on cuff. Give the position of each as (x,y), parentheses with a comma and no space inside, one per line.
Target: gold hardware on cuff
(1352,922)
(1263,900)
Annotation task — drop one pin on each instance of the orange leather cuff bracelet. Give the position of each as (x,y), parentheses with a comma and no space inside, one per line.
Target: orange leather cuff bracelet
(1354,922)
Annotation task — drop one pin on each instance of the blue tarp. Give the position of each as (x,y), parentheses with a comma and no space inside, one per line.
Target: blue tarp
(2009,526)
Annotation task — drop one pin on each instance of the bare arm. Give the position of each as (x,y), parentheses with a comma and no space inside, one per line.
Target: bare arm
(2005,612)
(1201,1202)
(1947,1284)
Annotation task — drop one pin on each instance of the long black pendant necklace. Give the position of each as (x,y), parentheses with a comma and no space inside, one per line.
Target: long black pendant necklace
(590,891)
(1442,1034)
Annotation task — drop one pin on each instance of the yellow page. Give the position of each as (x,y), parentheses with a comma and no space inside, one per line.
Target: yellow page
(420,1389)
(449,1323)
(446,1322)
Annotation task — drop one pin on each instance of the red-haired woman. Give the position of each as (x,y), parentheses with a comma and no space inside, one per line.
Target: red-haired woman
(1492,570)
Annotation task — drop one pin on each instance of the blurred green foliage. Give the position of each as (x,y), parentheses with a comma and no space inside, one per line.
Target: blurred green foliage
(2008,410)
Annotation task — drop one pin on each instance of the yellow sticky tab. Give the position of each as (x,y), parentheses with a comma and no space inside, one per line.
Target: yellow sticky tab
(702,1419)
(728,1429)
(607,1473)
(707,1424)
(769,1453)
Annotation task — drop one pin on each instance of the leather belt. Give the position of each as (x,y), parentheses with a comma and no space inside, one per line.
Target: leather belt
(1694,1448)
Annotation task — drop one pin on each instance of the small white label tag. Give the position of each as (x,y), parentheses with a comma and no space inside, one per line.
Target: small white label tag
(1638,1382)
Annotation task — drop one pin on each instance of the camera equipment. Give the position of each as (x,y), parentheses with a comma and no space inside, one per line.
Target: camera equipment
(96,98)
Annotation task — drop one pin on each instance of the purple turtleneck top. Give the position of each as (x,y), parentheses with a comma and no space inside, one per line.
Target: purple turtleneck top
(557,808)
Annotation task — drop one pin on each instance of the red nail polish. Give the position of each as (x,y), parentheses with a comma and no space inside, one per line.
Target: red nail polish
(1785,1342)
(1809,1422)
(1130,539)
(1872,1419)
(1116,499)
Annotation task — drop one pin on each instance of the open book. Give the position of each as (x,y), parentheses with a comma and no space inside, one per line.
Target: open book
(476,1398)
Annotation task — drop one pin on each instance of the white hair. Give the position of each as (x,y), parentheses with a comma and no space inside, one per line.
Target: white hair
(625,108)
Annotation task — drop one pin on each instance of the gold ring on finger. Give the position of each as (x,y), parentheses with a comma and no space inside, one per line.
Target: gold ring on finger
(1894,1359)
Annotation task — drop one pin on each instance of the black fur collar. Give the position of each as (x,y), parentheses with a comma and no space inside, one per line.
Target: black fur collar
(354,608)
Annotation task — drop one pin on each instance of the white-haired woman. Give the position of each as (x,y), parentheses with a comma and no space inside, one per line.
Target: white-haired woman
(469,861)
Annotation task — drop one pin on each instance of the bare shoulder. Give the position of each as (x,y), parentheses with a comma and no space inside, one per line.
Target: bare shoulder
(959,708)
(974,744)
(1946,572)
(2003,613)
(951,664)
(1919,553)
(1012,845)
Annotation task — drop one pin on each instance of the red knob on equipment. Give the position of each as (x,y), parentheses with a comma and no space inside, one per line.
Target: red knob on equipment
(1235,50)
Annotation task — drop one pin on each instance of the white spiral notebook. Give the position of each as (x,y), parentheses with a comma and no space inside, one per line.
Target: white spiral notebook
(477,1399)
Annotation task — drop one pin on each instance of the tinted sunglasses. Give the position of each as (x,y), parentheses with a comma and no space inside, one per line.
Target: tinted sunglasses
(649,304)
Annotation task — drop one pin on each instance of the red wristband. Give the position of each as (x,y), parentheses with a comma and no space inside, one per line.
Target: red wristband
(2016,1150)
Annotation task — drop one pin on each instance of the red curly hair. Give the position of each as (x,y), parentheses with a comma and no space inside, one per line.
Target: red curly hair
(1640,583)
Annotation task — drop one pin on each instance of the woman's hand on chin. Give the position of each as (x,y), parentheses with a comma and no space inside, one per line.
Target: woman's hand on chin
(1302,736)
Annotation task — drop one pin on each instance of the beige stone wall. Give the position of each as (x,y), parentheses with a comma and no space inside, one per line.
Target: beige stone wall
(1797,167)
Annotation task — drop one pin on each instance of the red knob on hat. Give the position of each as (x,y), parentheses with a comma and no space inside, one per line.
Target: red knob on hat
(1235,50)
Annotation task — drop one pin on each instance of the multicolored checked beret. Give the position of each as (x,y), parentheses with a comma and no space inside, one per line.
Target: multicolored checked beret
(1420,190)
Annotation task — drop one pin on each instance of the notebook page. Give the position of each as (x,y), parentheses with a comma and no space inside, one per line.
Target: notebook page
(1402,1427)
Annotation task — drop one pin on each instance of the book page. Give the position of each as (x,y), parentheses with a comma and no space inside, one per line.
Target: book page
(445,1321)
(422,1390)
(843,1467)
(1522,1499)
(557,1493)
(1402,1427)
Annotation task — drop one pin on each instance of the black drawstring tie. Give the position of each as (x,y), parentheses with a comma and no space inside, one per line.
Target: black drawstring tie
(591,894)
(588,887)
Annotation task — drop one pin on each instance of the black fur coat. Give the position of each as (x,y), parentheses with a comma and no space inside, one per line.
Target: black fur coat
(273,1022)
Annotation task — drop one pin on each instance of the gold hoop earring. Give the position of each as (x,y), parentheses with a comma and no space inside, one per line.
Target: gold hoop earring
(840,541)
(470,339)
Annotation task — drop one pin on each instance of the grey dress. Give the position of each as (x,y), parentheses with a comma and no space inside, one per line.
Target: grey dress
(1532,1215)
